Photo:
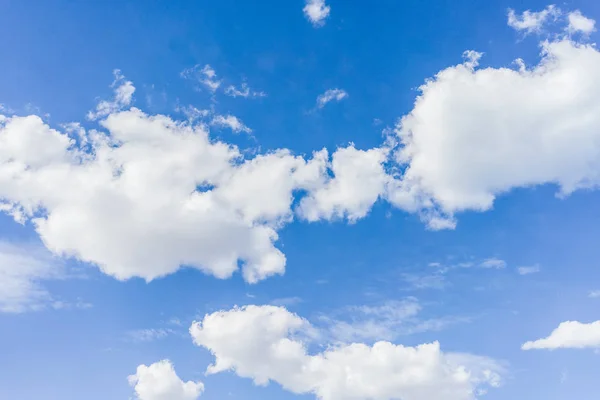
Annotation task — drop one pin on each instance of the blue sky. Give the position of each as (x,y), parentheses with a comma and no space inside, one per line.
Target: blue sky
(164,163)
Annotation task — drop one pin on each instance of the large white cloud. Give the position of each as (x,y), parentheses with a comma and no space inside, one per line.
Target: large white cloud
(268,343)
(475,133)
(150,196)
(569,335)
(159,381)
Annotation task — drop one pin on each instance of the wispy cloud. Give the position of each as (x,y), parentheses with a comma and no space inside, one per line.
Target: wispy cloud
(123,96)
(148,335)
(230,121)
(205,75)
(594,294)
(432,281)
(384,321)
(23,268)
(493,262)
(529,270)
(286,301)
(331,95)
(244,91)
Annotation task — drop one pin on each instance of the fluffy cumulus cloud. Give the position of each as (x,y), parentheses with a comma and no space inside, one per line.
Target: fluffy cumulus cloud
(160,194)
(475,133)
(22,269)
(331,95)
(159,381)
(316,11)
(569,335)
(359,178)
(267,343)
(580,23)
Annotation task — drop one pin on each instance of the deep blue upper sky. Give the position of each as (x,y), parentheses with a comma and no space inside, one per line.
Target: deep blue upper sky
(58,59)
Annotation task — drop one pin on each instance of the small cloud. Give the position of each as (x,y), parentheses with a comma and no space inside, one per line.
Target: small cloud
(331,95)
(206,76)
(79,304)
(244,91)
(529,270)
(532,22)
(594,294)
(231,122)
(580,23)
(425,282)
(148,335)
(286,301)
(493,263)
(123,96)
(317,12)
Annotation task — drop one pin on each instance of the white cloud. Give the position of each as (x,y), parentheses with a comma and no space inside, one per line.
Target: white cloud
(594,294)
(493,263)
(316,11)
(477,133)
(148,335)
(159,193)
(123,95)
(433,281)
(386,321)
(359,179)
(530,21)
(286,301)
(244,91)
(569,335)
(159,381)
(232,122)
(22,268)
(580,23)
(331,95)
(533,269)
(265,343)
(205,75)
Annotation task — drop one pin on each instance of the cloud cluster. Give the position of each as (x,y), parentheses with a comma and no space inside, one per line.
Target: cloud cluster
(161,193)
(535,21)
(267,343)
(159,381)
